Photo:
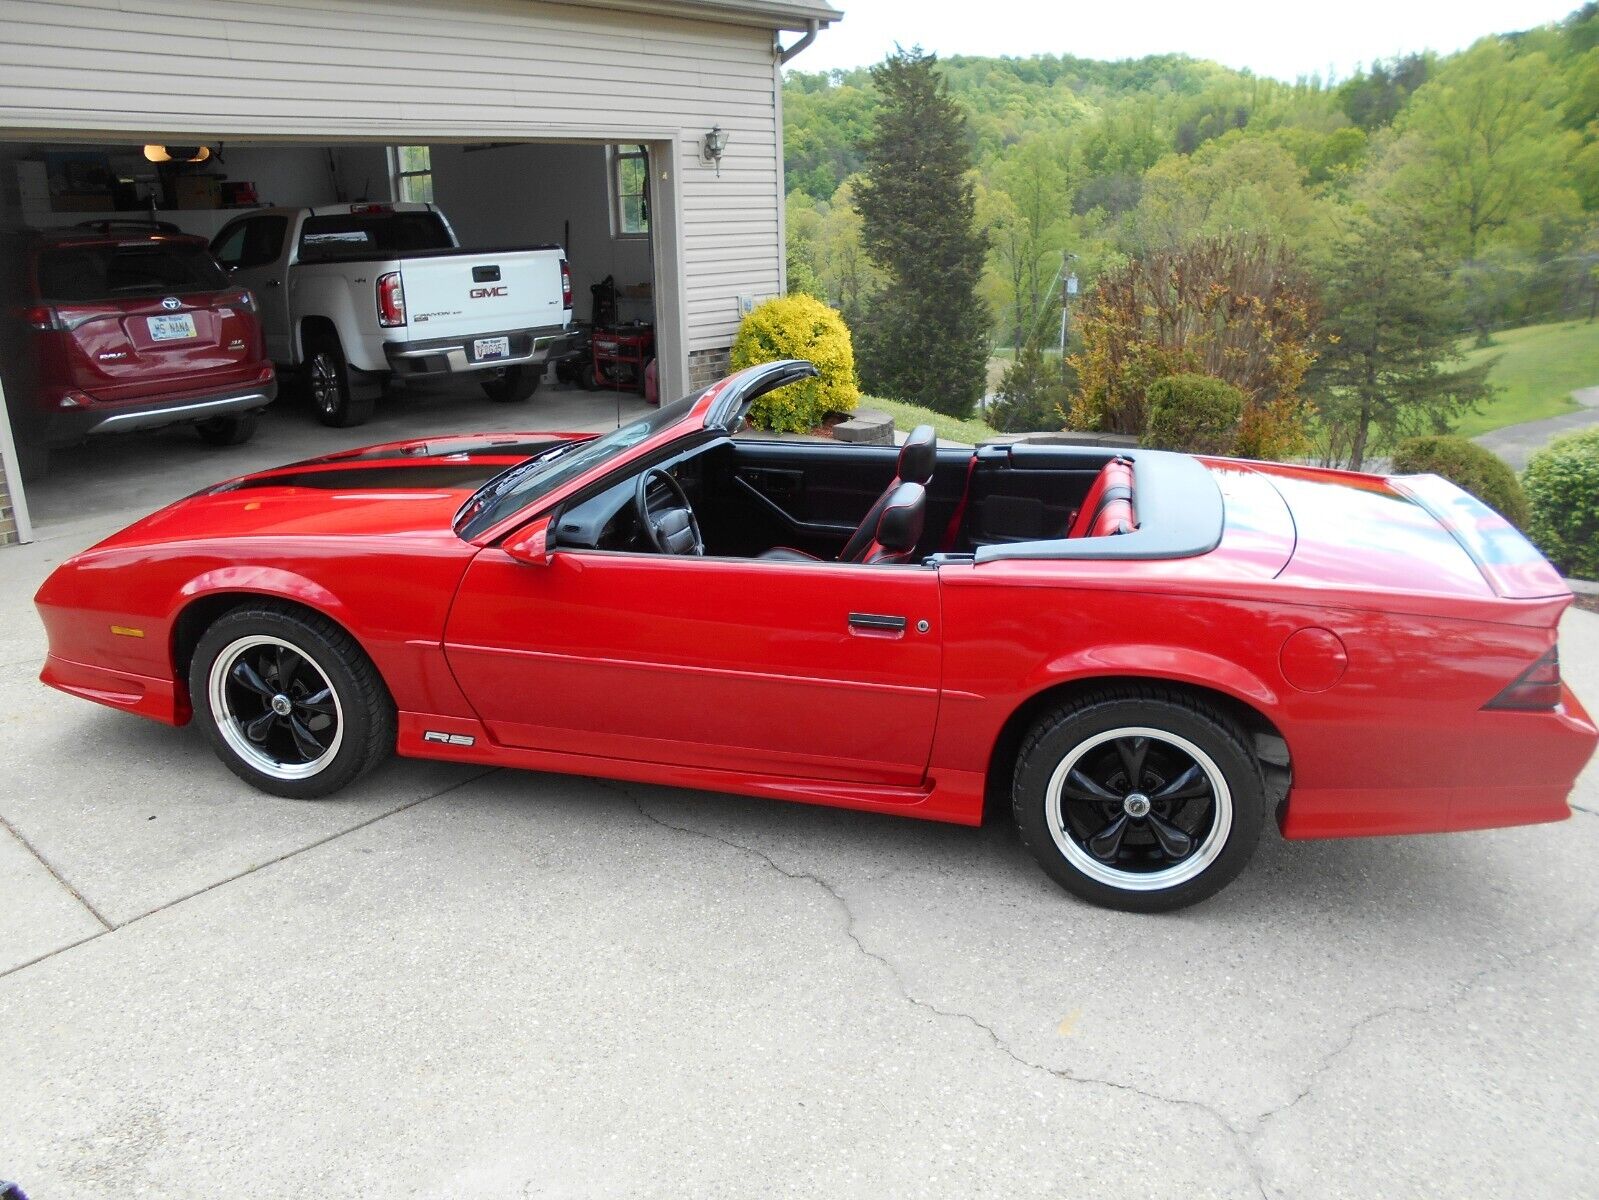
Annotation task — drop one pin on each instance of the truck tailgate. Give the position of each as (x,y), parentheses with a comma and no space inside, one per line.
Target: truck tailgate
(461,293)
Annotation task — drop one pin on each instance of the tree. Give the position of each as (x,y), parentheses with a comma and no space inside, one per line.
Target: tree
(1383,373)
(1029,231)
(1237,308)
(1483,157)
(925,336)
(1031,395)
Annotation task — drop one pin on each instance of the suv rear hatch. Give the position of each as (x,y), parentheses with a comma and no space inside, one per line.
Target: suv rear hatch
(1412,533)
(135,320)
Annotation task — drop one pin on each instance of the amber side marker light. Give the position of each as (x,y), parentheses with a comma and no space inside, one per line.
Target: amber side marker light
(1536,689)
(126,631)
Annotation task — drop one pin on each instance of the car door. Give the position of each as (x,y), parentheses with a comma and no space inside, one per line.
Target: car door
(252,251)
(816,670)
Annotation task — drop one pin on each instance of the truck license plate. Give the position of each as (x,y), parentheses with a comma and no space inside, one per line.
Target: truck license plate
(170,329)
(487,348)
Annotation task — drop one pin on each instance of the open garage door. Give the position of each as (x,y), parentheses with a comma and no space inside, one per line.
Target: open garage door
(176,314)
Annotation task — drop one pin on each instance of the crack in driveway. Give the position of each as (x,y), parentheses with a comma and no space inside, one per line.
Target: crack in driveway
(1237,1136)
(251,870)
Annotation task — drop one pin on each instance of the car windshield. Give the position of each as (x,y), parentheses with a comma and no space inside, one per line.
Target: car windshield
(517,487)
(105,271)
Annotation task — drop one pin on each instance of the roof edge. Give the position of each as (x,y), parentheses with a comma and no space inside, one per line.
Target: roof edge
(793,15)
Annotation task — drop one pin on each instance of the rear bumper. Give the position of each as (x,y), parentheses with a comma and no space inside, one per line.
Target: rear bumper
(1522,767)
(69,425)
(453,356)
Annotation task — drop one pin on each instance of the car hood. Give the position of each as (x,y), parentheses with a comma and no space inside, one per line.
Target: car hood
(394,489)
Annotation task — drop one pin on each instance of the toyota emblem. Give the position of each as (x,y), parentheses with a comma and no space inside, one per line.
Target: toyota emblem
(172,304)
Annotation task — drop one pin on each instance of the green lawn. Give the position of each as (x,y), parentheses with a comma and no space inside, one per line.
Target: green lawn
(908,416)
(1540,367)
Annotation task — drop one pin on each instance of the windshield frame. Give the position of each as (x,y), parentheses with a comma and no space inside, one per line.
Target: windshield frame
(526,486)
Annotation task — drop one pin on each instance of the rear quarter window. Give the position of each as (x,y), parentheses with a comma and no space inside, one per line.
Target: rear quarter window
(357,234)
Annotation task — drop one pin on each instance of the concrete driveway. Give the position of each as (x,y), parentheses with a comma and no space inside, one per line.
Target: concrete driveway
(459,983)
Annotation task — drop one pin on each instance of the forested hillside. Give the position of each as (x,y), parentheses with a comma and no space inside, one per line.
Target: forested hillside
(1477,173)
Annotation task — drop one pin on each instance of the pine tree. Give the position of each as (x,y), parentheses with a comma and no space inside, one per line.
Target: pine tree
(1390,367)
(925,338)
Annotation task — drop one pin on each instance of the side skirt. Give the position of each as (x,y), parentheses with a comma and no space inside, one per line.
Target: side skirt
(956,797)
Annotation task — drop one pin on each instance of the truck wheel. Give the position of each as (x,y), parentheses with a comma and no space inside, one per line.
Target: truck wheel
(328,377)
(514,384)
(1139,797)
(228,431)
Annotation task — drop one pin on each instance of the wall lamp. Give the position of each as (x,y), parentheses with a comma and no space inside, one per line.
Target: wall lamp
(184,154)
(711,151)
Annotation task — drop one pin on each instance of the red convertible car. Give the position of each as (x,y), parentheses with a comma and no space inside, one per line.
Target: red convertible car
(1141,653)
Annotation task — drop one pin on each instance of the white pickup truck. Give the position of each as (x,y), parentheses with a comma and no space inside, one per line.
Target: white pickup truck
(357,295)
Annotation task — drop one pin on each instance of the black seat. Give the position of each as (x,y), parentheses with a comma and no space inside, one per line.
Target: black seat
(917,458)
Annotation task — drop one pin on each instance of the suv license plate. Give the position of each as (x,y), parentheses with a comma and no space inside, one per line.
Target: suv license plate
(170,329)
(486,348)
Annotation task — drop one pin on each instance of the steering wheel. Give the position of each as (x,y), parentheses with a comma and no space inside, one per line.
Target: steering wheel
(672,529)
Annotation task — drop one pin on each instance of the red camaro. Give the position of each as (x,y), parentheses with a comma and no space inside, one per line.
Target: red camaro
(1140,653)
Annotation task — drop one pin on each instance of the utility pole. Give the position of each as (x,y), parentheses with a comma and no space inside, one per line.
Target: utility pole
(1068,289)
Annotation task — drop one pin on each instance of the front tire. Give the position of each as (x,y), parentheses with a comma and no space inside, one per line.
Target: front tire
(337,403)
(291,704)
(514,384)
(1141,798)
(228,431)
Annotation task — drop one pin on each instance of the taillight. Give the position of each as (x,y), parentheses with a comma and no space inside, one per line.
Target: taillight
(566,285)
(42,317)
(245,300)
(391,299)
(1535,689)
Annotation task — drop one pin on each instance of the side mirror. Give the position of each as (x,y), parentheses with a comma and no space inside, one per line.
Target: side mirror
(531,546)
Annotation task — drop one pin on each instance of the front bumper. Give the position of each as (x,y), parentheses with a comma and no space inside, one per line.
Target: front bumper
(68,425)
(453,356)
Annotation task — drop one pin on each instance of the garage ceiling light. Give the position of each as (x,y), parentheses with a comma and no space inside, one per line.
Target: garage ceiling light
(186,154)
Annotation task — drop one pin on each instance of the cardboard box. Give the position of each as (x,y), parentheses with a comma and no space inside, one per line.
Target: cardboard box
(198,191)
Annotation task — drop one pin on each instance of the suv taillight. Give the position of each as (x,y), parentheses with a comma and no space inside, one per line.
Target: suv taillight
(566,285)
(1536,689)
(42,317)
(391,300)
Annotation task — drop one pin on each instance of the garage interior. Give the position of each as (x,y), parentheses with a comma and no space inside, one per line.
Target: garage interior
(588,198)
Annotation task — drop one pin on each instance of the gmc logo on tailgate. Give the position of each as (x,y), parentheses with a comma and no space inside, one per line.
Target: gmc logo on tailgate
(489,293)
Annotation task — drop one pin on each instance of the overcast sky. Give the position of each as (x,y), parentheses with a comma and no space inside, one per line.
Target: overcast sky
(1284,38)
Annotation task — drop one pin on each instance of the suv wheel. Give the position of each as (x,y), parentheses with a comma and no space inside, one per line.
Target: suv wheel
(228,431)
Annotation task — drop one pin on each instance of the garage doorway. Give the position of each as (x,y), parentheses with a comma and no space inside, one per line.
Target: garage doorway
(600,201)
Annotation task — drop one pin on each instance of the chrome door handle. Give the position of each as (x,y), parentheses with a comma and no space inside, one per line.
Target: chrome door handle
(877,622)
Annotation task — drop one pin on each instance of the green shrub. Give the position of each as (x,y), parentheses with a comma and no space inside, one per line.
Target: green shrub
(1469,467)
(799,326)
(1194,413)
(1030,397)
(1563,485)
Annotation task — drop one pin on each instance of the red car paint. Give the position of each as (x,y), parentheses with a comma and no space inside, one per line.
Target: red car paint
(1338,606)
(88,322)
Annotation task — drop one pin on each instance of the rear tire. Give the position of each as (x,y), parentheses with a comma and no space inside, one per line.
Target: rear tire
(228,431)
(1139,797)
(290,702)
(334,400)
(514,384)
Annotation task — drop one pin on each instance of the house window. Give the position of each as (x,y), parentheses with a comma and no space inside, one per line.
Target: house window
(413,174)
(630,200)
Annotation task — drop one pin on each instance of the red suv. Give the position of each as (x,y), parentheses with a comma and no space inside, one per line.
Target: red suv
(130,326)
